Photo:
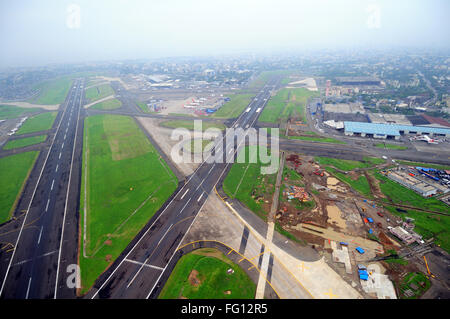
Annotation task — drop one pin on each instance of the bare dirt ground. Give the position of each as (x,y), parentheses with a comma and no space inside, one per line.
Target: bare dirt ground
(308,83)
(51,107)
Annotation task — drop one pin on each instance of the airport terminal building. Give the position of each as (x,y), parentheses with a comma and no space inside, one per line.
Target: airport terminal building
(391,131)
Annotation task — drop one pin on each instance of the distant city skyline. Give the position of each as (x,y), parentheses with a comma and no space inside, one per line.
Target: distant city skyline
(44,32)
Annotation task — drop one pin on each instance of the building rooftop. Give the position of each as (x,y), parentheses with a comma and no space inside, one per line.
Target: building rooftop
(390,129)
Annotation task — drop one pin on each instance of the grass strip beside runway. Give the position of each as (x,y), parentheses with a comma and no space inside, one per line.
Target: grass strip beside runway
(98,92)
(127,182)
(202,274)
(14,171)
(53,91)
(234,107)
(246,183)
(24,142)
(37,123)
(110,104)
(12,112)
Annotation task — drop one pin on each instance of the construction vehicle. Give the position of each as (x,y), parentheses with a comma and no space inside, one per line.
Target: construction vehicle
(428,269)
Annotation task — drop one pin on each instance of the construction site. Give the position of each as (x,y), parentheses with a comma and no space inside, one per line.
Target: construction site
(361,240)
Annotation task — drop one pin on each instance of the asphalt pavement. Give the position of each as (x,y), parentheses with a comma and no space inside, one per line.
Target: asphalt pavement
(37,266)
(141,269)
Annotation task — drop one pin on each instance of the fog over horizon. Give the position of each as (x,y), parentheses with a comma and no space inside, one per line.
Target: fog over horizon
(54,31)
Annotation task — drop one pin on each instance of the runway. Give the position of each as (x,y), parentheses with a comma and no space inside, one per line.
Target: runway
(141,269)
(36,268)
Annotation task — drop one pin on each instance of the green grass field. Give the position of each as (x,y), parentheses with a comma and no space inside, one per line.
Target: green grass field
(211,278)
(246,183)
(390,146)
(53,91)
(261,79)
(348,165)
(14,171)
(24,142)
(107,105)
(401,195)
(286,104)
(127,182)
(98,92)
(414,278)
(428,225)
(37,123)
(190,125)
(11,111)
(234,107)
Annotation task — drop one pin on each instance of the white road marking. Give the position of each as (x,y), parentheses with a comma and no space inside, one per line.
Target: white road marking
(143,235)
(53,182)
(230,151)
(59,155)
(187,190)
(184,206)
(248,109)
(62,145)
(56,167)
(40,234)
(65,136)
(48,202)
(28,289)
(259,109)
(165,234)
(29,205)
(201,195)
(142,264)
(211,168)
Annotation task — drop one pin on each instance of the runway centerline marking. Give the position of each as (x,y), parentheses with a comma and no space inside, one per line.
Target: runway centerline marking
(40,234)
(184,206)
(187,190)
(28,289)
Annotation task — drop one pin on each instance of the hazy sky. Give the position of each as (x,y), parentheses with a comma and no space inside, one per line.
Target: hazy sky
(44,31)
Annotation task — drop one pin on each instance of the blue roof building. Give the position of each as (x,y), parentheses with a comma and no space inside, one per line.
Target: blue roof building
(383,131)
